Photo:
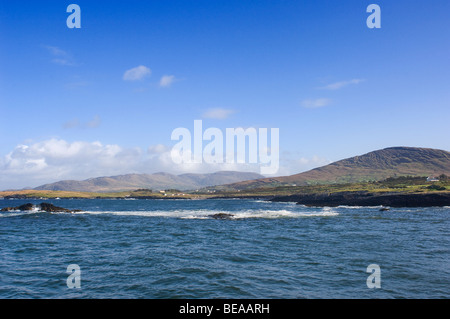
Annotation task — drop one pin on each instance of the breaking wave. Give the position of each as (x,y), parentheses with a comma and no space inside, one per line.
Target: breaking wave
(359,207)
(210,214)
(14,213)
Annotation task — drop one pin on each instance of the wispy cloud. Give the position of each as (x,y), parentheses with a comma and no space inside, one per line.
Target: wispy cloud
(316,103)
(60,56)
(294,163)
(137,73)
(166,81)
(71,124)
(342,84)
(217,113)
(158,149)
(95,122)
(76,123)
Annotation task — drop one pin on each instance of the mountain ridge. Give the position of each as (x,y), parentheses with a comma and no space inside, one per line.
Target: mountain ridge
(156,181)
(373,166)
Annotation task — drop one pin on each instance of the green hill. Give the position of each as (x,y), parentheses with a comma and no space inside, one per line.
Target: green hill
(373,166)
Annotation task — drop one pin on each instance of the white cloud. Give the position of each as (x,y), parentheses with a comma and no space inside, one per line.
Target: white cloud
(316,103)
(166,81)
(55,159)
(341,84)
(36,163)
(217,113)
(137,73)
(157,149)
(60,56)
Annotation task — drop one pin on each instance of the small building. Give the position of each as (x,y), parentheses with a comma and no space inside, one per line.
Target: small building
(432,179)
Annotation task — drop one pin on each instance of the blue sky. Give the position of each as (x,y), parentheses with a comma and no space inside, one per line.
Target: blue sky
(313,69)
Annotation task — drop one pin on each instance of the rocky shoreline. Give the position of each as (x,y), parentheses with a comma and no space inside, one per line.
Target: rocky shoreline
(362,198)
(368,199)
(20,196)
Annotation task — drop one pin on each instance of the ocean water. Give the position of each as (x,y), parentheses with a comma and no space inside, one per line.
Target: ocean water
(173,249)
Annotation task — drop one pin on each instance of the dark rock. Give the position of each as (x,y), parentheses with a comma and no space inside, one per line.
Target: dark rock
(27,206)
(46,207)
(369,199)
(384,209)
(221,216)
(16,196)
(54,209)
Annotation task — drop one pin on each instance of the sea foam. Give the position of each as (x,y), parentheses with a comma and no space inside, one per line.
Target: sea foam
(209,214)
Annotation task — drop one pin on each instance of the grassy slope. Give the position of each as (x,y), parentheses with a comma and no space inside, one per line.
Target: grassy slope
(411,185)
(397,185)
(65,194)
(373,166)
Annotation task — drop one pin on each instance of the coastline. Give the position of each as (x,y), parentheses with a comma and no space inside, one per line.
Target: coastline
(369,199)
(319,199)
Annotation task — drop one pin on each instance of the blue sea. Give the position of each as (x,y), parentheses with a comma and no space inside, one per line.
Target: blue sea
(174,249)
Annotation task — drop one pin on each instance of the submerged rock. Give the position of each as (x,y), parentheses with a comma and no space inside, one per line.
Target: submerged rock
(221,216)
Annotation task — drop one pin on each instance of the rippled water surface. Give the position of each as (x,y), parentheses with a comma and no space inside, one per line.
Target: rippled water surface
(174,249)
